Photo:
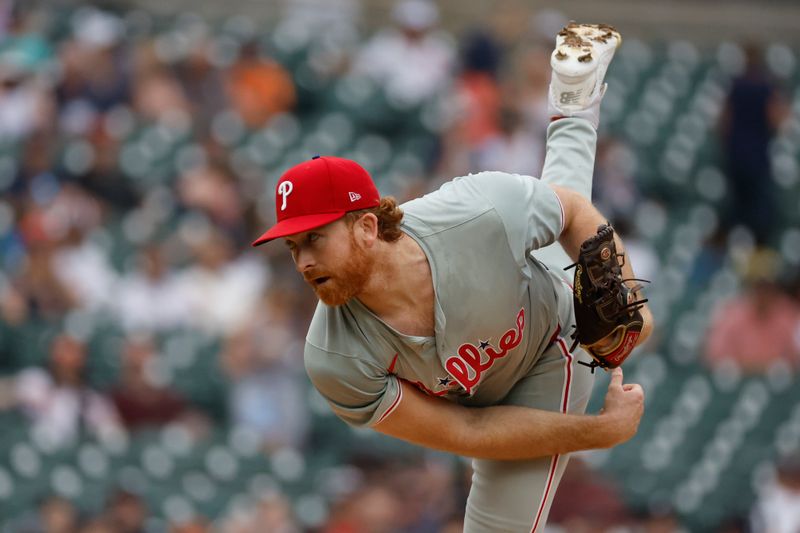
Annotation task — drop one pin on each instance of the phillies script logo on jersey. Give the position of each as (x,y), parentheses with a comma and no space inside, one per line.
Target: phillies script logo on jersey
(468,366)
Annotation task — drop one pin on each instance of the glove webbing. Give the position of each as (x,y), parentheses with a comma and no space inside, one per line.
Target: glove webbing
(627,308)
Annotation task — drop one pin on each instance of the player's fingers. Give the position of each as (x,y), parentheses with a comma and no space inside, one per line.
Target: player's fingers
(616,378)
(633,387)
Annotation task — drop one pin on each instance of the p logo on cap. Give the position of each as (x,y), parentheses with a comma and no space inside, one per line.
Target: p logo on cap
(285,189)
(322,190)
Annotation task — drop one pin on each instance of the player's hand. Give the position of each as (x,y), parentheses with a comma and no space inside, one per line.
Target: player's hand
(622,410)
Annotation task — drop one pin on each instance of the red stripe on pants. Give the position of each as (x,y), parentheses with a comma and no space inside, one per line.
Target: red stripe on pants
(564,405)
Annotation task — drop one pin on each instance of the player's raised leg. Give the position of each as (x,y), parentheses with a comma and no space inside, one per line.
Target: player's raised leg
(579,63)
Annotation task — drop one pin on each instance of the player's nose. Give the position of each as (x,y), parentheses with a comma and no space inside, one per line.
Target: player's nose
(304,260)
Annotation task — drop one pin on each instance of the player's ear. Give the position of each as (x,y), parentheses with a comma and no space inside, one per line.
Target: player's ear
(366,227)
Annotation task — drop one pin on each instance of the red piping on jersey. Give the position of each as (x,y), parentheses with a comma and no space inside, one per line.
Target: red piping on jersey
(391,366)
(554,336)
(394,404)
(396,401)
(564,405)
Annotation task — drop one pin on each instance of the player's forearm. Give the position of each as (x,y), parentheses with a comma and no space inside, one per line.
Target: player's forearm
(581,220)
(500,432)
(514,433)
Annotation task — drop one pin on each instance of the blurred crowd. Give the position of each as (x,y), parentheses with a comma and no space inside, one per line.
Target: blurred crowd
(94,236)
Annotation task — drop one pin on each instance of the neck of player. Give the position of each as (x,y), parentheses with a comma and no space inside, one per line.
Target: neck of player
(400,290)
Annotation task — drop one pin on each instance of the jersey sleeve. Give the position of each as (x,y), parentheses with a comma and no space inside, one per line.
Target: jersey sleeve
(359,392)
(530,210)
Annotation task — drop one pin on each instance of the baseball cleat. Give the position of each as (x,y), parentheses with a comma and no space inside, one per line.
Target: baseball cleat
(579,61)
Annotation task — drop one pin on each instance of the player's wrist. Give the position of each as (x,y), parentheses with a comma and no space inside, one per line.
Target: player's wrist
(615,428)
(603,431)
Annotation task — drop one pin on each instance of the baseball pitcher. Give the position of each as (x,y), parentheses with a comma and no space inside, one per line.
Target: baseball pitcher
(450,321)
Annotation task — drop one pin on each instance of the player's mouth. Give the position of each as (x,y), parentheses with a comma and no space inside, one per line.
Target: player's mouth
(318,282)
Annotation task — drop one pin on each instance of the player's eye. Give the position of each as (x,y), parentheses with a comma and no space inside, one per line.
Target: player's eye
(313,237)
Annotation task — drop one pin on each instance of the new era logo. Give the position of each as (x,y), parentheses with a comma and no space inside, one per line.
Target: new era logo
(354,196)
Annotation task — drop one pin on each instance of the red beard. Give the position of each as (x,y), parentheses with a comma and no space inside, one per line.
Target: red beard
(349,280)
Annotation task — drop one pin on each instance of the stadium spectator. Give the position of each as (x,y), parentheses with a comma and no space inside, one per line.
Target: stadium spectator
(101,177)
(777,508)
(474,105)
(9,11)
(57,400)
(603,504)
(34,179)
(332,16)
(150,297)
(454,524)
(97,524)
(202,83)
(54,514)
(412,62)
(510,149)
(13,309)
(373,509)
(526,85)
(638,248)
(45,294)
(127,512)
(661,520)
(758,327)
(223,286)
(141,400)
(215,192)
(259,87)
(478,86)
(26,65)
(615,190)
(753,112)
(709,260)
(26,103)
(263,363)
(272,512)
(156,93)
(65,268)
(193,525)
(79,261)
(428,492)
(95,71)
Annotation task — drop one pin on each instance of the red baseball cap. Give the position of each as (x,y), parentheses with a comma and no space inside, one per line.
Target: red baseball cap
(318,192)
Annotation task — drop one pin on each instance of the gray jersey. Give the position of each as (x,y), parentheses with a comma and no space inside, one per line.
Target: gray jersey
(496,311)
(496,307)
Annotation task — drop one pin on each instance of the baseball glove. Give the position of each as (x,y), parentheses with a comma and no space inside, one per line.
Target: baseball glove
(607,316)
